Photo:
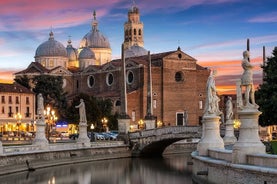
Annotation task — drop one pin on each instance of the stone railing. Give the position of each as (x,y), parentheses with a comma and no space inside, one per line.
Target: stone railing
(163,131)
(14,150)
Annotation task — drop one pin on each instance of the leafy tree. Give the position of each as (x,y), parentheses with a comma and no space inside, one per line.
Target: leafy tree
(24,81)
(266,95)
(51,89)
(96,109)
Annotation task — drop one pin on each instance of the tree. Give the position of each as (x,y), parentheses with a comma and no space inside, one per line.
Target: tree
(51,89)
(96,110)
(24,81)
(266,95)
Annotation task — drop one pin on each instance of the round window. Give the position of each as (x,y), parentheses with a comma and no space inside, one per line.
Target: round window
(91,81)
(130,77)
(179,76)
(109,79)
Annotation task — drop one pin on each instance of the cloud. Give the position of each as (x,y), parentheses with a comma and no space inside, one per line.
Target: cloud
(33,14)
(6,76)
(168,6)
(265,18)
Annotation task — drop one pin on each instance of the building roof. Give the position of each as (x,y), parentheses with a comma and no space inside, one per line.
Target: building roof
(34,67)
(51,48)
(14,88)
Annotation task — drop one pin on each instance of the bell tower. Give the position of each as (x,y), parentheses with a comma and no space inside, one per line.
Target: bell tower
(133,29)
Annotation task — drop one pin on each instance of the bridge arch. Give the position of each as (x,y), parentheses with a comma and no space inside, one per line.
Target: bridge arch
(152,143)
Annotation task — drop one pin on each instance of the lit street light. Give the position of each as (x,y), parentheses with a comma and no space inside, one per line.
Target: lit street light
(105,124)
(51,118)
(18,118)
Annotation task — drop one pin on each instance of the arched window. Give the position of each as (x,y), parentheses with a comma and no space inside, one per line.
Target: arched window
(109,79)
(130,77)
(139,31)
(90,81)
(179,76)
(135,31)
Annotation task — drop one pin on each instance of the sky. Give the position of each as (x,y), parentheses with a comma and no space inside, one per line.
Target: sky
(214,32)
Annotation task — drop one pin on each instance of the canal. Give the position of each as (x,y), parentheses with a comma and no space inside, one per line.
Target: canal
(171,169)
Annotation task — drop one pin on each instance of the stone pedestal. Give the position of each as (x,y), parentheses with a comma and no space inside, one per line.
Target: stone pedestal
(123,129)
(1,148)
(249,140)
(40,138)
(211,137)
(229,137)
(123,125)
(83,134)
(149,124)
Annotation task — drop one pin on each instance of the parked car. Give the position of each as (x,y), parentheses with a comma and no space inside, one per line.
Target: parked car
(73,136)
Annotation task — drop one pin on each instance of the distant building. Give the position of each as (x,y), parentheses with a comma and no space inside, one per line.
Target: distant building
(178,81)
(17,105)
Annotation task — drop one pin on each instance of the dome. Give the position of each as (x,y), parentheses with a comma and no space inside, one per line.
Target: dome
(51,48)
(86,53)
(135,50)
(94,38)
(71,52)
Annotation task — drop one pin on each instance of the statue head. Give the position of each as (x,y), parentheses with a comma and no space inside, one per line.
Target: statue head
(246,54)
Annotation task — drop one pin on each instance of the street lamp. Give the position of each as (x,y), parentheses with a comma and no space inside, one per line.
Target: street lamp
(159,124)
(140,124)
(18,118)
(51,118)
(105,123)
(237,123)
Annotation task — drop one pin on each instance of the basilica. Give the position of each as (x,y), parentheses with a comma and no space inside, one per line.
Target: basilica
(178,82)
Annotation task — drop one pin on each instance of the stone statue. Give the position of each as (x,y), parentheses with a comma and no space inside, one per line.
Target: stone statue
(229,108)
(82,111)
(186,117)
(211,105)
(40,105)
(247,81)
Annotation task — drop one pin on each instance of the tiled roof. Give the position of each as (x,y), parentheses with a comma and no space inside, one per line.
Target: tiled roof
(13,88)
(34,67)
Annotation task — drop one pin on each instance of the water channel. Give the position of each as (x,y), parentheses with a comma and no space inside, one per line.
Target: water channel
(171,169)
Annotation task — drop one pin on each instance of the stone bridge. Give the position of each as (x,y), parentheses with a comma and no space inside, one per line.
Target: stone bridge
(154,141)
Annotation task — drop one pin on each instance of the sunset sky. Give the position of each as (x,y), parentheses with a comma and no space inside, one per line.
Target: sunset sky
(212,31)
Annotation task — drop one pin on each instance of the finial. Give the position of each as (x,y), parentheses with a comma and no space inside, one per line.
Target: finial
(69,40)
(94,14)
(94,21)
(51,34)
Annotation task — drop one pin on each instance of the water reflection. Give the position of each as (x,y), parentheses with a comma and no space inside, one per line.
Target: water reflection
(172,169)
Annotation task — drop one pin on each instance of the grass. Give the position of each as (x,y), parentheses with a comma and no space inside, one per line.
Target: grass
(274,146)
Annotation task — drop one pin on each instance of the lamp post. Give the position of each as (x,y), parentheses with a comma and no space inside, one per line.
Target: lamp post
(159,124)
(18,118)
(51,118)
(105,123)
(141,124)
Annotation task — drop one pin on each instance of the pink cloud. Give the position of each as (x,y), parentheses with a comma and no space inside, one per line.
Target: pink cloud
(33,14)
(265,18)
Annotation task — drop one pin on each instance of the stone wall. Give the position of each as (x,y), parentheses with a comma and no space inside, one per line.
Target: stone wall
(16,161)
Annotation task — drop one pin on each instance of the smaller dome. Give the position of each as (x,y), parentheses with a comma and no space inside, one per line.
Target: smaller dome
(135,50)
(71,52)
(86,53)
(94,38)
(51,47)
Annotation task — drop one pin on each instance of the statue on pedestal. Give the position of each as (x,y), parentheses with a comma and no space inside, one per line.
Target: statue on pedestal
(82,111)
(40,106)
(229,108)
(247,81)
(211,105)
